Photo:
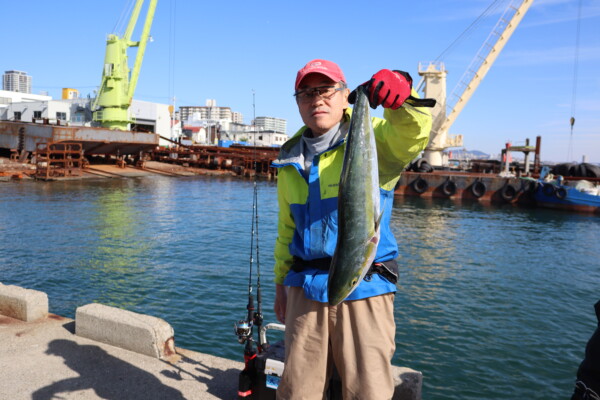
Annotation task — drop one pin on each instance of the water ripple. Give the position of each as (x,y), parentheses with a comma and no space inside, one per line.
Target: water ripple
(492,303)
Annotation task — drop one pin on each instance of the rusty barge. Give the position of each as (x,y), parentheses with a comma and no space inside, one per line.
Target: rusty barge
(25,137)
(59,151)
(483,187)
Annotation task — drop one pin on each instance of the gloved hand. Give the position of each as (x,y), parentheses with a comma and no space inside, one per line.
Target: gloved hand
(388,88)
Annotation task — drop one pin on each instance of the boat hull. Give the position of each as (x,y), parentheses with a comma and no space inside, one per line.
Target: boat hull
(555,196)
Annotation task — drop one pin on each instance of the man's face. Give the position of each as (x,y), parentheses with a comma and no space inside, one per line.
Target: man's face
(320,113)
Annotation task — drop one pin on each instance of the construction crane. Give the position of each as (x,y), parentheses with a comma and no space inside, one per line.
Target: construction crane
(434,79)
(111,106)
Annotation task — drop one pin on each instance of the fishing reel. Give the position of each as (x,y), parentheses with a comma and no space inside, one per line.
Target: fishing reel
(243,330)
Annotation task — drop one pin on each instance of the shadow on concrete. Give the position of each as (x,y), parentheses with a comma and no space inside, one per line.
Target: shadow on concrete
(70,326)
(109,377)
(220,383)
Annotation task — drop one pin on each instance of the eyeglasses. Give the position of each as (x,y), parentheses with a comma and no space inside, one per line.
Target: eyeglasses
(324,92)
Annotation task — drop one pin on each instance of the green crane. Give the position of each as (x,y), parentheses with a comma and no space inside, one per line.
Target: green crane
(111,106)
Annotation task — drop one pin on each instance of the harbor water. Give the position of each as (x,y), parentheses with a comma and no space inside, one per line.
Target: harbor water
(492,303)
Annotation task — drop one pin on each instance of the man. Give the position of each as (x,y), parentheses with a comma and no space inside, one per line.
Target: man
(587,385)
(358,335)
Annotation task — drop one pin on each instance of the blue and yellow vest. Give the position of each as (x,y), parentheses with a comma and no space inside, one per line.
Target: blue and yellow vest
(307,225)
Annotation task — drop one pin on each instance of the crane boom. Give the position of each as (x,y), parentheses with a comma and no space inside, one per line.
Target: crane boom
(111,106)
(135,73)
(485,58)
(435,82)
(135,14)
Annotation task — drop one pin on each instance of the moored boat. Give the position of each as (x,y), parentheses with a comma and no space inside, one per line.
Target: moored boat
(582,195)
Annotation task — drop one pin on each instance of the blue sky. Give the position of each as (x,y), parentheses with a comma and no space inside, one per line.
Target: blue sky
(228,50)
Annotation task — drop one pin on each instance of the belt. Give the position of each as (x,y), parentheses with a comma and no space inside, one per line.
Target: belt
(386,269)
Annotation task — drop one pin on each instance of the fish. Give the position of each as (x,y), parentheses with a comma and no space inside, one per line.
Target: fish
(358,206)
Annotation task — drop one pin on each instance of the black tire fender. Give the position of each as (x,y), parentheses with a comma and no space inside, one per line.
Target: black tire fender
(508,192)
(560,193)
(478,189)
(449,188)
(419,185)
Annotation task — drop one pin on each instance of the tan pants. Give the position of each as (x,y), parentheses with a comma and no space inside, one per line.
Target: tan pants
(357,335)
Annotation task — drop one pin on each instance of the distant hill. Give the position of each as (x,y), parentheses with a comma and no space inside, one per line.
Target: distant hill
(462,154)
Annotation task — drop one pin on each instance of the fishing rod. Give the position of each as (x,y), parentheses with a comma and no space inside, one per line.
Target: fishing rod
(244,327)
(254,317)
(258,316)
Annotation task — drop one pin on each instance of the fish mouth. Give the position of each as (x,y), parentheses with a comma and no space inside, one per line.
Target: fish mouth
(335,302)
(342,293)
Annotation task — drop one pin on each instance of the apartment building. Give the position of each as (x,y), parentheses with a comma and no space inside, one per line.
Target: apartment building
(210,112)
(270,124)
(16,81)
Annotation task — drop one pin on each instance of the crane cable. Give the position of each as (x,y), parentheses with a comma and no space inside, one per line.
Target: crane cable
(119,27)
(489,10)
(464,35)
(574,93)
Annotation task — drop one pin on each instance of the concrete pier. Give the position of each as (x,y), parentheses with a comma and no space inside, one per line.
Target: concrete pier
(47,357)
(46,360)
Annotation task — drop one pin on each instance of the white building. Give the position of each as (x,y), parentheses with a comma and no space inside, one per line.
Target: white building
(202,134)
(16,81)
(254,136)
(147,116)
(151,117)
(210,132)
(7,97)
(270,124)
(210,112)
(56,111)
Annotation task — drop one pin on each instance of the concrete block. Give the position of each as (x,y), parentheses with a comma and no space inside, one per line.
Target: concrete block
(140,333)
(24,304)
(408,384)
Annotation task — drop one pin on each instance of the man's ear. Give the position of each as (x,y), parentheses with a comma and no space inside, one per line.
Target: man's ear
(346,94)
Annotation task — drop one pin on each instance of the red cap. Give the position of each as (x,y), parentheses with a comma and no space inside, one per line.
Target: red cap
(323,67)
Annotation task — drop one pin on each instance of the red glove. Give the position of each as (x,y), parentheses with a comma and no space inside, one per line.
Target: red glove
(389,88)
